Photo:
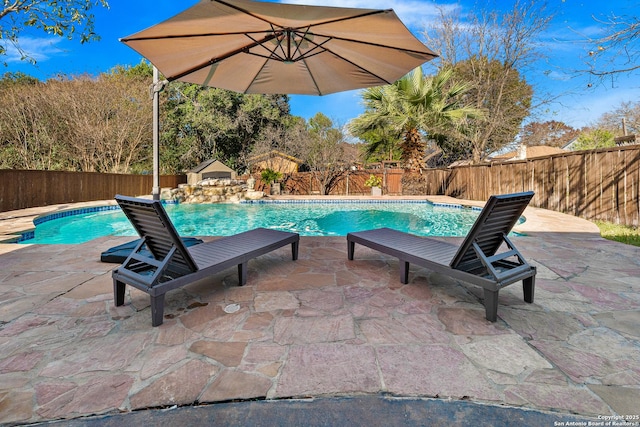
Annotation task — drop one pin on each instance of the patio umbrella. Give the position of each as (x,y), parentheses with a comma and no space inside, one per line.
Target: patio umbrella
(269,48)
(273,48)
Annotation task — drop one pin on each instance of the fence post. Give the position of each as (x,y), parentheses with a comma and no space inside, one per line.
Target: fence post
(347,184)
(384,178)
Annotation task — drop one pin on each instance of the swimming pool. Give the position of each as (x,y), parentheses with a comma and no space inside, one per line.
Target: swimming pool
(307,217)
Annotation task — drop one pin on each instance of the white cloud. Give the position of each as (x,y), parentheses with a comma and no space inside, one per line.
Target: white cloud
(39,49)
(559,75)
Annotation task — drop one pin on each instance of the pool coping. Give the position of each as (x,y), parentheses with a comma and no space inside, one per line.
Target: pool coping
(15,225)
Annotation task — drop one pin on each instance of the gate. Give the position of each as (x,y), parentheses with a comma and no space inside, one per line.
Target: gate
(393,181)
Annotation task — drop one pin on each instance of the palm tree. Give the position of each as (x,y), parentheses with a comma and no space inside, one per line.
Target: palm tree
(411,107)
(381,143)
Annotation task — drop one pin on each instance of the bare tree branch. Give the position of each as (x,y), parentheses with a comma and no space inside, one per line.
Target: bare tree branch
(618,50)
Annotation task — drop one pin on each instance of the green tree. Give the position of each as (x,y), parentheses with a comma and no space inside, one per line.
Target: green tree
(18,78)
(412,106)
(143,70)
(200,123)
(596,138)
(375,126)
(381,144)
(490,49)
(506,98)
(68,19)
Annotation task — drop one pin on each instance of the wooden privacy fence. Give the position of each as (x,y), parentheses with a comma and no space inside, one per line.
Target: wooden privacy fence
(598,184)
(349,183)
(21,189)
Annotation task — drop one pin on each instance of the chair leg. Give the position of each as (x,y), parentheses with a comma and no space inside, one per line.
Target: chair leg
(350,249)
(528,287)
(157,310)
(118,293)
(404,271)
(491,305)
(242,274)
(294,250)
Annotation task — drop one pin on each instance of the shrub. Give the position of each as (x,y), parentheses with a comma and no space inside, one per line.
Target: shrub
(373,181)
(269,176)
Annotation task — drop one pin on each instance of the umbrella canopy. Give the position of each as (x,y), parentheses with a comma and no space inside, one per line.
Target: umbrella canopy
(268,48)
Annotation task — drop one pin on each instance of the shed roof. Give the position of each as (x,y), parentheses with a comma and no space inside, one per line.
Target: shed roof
(202,166)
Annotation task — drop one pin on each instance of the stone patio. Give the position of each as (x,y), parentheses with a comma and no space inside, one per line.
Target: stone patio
(322,326)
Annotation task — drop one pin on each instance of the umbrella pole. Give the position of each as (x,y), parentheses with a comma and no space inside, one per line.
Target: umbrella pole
(155,191)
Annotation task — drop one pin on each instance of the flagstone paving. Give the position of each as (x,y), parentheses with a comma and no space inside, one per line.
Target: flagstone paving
(323,326)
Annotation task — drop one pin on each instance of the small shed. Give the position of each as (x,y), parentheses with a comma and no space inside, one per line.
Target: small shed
(274,160)
(213,169)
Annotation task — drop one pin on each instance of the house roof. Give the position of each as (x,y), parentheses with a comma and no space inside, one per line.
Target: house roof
(569,145)
(532,152)
(271,154)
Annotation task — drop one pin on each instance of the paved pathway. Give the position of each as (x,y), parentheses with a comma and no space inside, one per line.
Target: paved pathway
(324,326)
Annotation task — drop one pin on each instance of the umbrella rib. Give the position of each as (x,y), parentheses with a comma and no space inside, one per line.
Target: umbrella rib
(287,55)
(254,78)
(304,37)
(330,21)
(220,58)
(313,78)
(274,55)
(344,39)
(348,60)
(188,36)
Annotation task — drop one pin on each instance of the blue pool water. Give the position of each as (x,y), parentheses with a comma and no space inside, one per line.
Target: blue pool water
(309,219)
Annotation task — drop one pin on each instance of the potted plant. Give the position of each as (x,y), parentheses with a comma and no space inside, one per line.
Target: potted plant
(375,183)
(270,178)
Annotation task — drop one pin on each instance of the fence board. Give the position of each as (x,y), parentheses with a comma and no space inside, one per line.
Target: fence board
(31,188)
(632,195)
(573,195)
(393,181)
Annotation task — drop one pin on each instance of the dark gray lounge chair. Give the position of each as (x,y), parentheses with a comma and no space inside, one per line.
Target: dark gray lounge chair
(118,254)
(173,265)
(476,260)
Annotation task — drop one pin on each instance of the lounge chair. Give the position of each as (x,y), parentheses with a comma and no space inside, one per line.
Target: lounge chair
(118,254)
(476,260)
(173,265)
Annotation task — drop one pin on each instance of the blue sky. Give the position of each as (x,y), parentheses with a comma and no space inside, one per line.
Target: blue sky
(578,105)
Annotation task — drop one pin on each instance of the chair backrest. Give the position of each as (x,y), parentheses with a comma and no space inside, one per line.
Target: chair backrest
(496,220)
(152,223)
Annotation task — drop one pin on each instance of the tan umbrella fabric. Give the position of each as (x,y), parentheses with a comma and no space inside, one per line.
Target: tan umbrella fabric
(258,47)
